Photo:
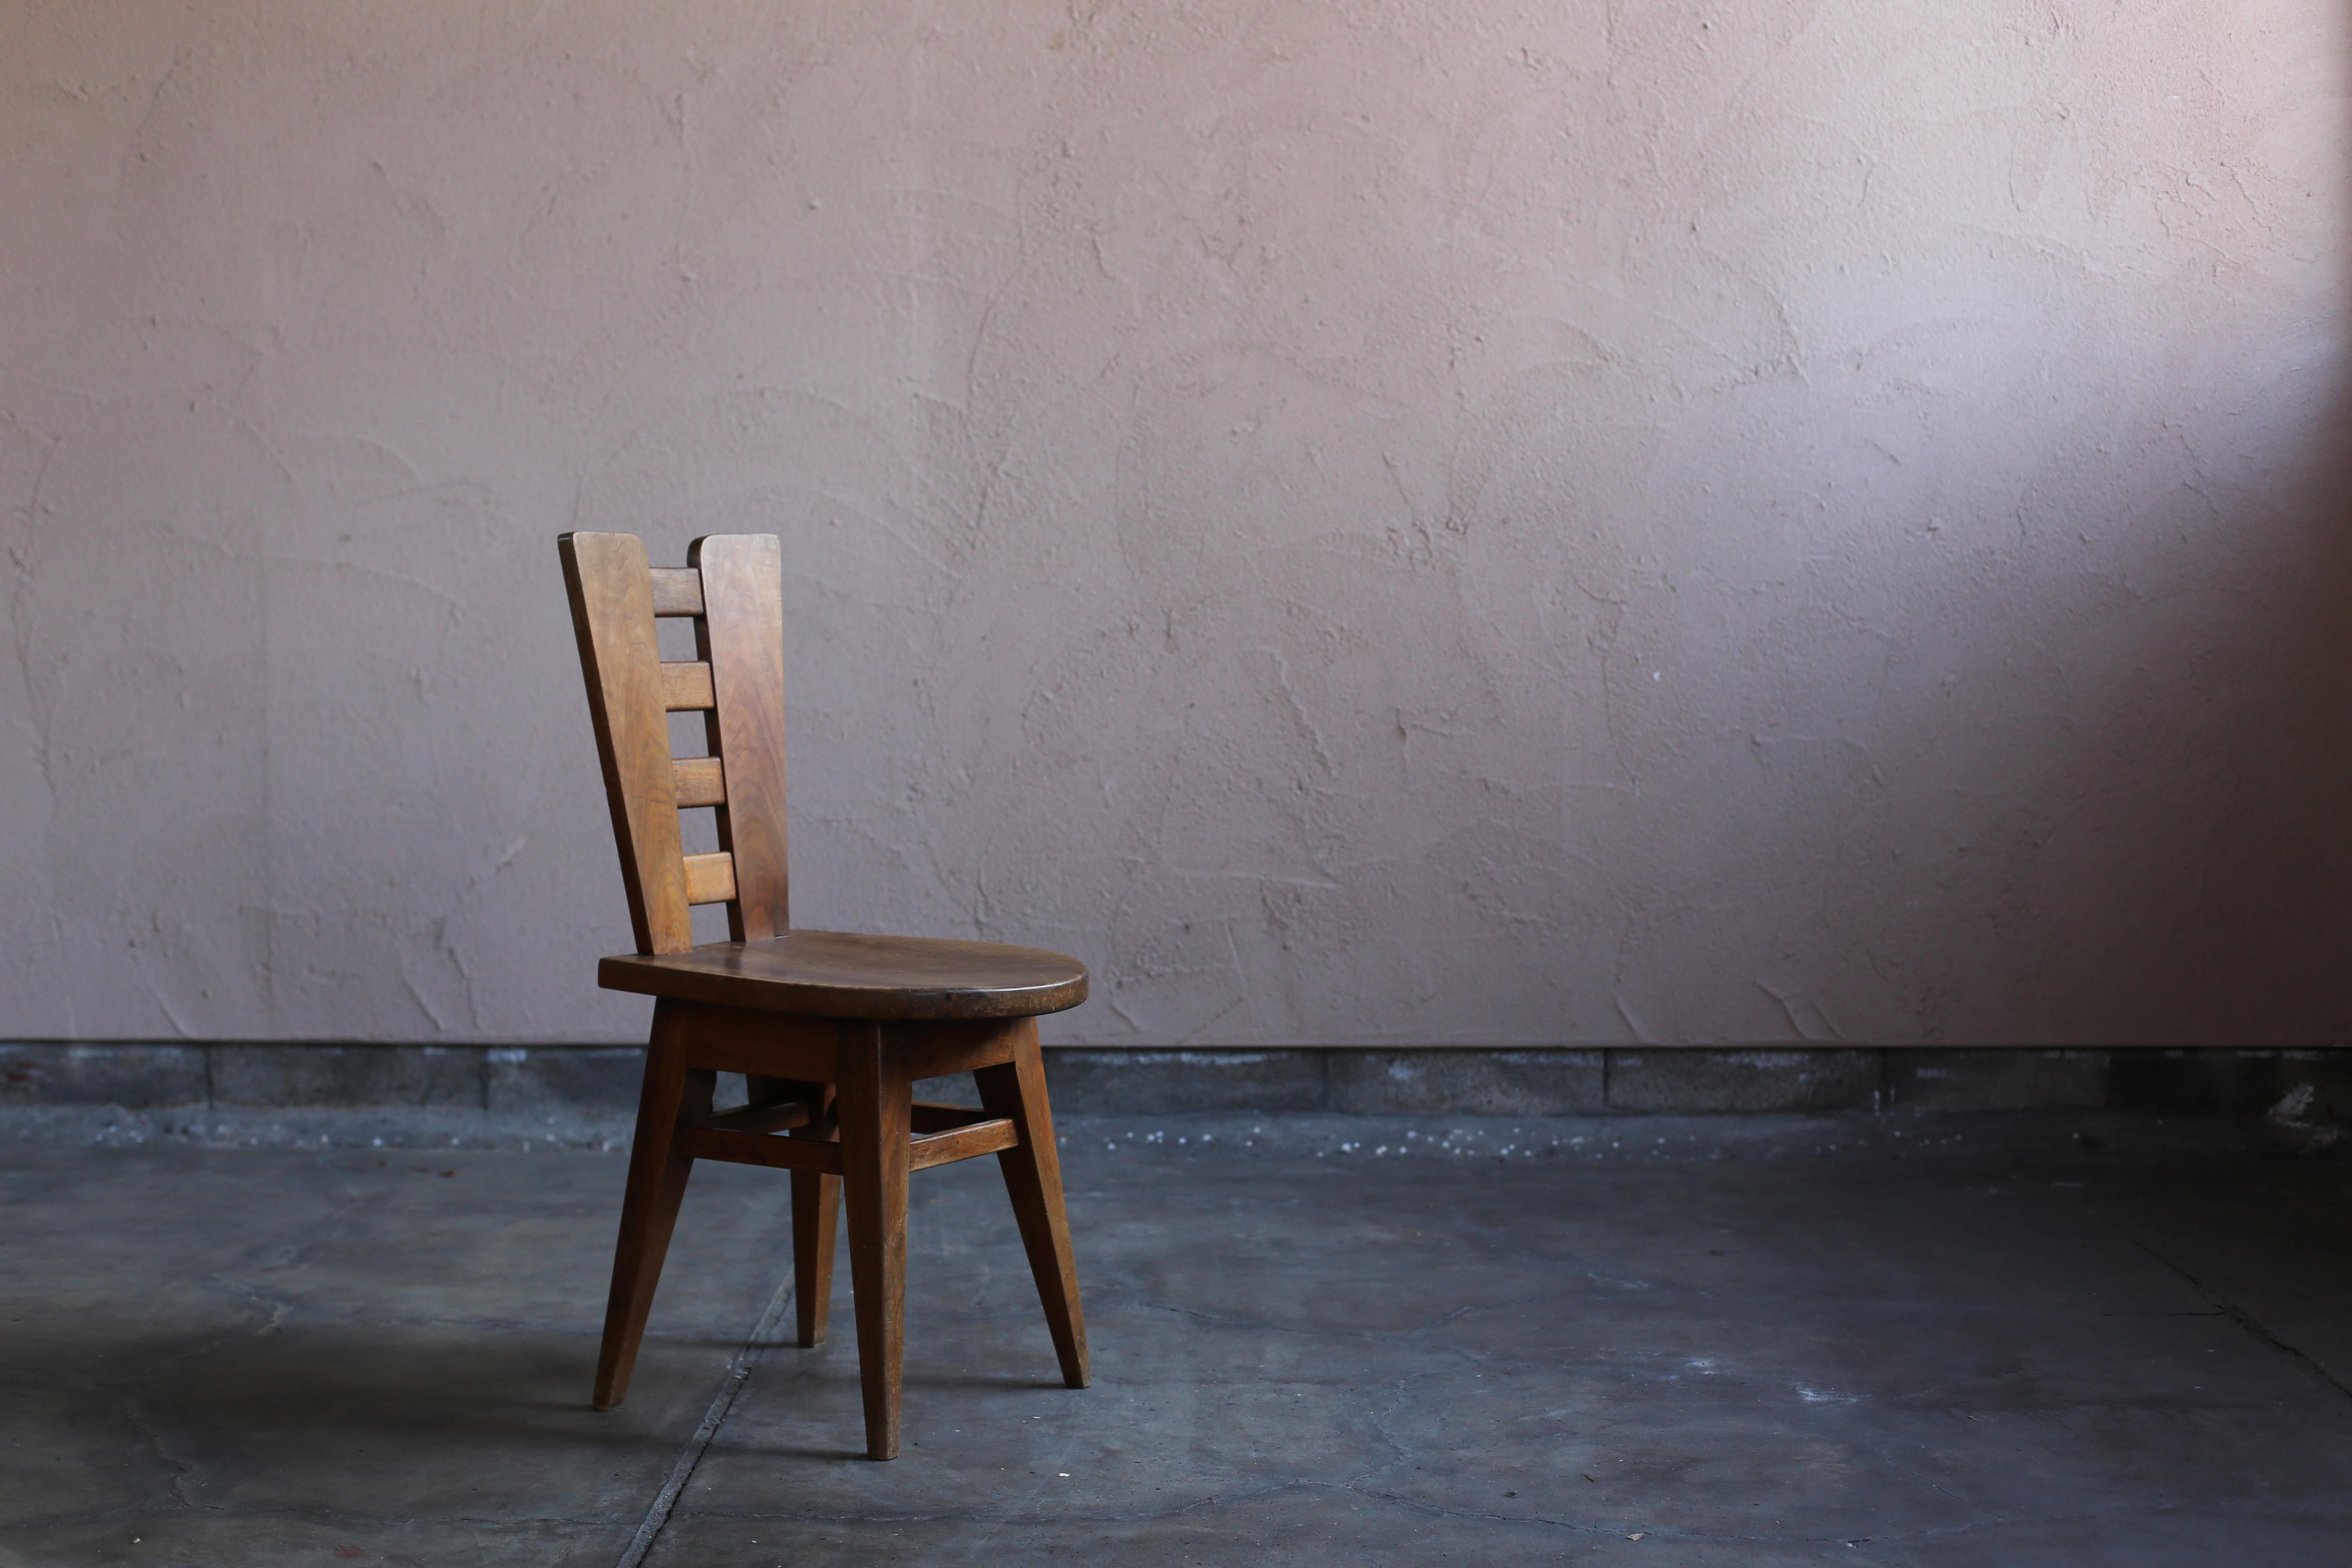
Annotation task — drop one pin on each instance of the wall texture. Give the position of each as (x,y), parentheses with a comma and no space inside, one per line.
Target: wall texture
(1380,523)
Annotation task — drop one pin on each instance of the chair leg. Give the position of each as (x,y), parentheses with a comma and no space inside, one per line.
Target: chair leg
(816,1207)
(816,1204)
(1033,1175)
(658,1175)
(876,1100)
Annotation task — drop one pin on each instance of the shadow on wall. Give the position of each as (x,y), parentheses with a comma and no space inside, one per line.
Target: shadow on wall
(2099,788)
(2240,756)
(2113,760)
(2230,746)
(2186,875)
(2143,782)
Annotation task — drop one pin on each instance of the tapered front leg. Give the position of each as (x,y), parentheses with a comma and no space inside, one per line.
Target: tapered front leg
(875,1100)
(1032,1176)
(657,1176)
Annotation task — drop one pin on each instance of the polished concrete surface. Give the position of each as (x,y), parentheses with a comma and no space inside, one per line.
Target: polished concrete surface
(1751,1341)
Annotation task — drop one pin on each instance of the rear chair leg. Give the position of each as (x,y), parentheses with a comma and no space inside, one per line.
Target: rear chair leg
(816,1207)
(816,1203)
(1033,1175)
(672,1097)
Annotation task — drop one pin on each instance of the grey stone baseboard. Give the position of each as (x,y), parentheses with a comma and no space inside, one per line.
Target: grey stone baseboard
(2307,1087)
(499,1080)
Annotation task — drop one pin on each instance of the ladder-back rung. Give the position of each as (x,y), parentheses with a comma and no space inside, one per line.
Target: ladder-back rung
(710,879)
(699,781)
(685,686)
(678,591)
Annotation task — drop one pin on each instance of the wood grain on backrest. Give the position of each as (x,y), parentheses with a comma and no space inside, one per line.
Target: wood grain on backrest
(741,636)
(734,593)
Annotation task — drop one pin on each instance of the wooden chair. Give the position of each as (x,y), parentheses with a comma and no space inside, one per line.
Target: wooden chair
(830,1030)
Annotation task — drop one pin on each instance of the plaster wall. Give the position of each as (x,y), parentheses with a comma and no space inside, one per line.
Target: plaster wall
(1678,520)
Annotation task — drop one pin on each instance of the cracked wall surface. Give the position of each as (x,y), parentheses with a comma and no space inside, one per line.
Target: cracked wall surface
(1373,524)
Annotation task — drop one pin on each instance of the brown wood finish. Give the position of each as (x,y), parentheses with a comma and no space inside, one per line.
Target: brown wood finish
(988,1136)
(761,1119)
(876,1100)
(710,879)
(741,1137)
(678,591)
(1033,1177)
(937,1049)
(676,1098)
(698,781)
(927,1117)
(758,1149)
(778,1045)
(685,686)
(816,1210)
(741,637)
(611,612)
(831,1029)
(843,974)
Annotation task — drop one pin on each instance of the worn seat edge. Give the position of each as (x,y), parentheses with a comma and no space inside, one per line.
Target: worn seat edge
(758,975)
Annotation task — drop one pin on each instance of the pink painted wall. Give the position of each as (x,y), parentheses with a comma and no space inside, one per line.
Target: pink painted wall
(1371,524)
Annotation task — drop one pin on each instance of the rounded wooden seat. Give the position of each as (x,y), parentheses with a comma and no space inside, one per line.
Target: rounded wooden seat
(844,974)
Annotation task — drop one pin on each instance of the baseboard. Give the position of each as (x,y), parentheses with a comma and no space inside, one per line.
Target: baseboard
(2308,1086)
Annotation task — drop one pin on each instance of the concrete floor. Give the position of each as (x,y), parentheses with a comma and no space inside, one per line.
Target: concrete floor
(1731,1341)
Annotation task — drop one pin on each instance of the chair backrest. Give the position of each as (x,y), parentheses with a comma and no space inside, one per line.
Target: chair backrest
(733,588)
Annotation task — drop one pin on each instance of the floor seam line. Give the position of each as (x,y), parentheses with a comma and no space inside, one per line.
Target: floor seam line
(2251,1325)
(738,1372)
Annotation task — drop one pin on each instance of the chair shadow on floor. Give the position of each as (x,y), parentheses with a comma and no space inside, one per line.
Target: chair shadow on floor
(293,1393)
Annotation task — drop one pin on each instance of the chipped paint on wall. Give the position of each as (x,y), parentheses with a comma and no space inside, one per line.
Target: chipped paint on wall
(1387,523)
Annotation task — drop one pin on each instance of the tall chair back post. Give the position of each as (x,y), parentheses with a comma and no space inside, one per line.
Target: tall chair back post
(734,593)
(741,636)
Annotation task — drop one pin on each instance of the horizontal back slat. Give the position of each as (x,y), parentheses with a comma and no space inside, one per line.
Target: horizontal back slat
(710,879)
(742,635)
(686,686)
(701,781)
(678,591)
